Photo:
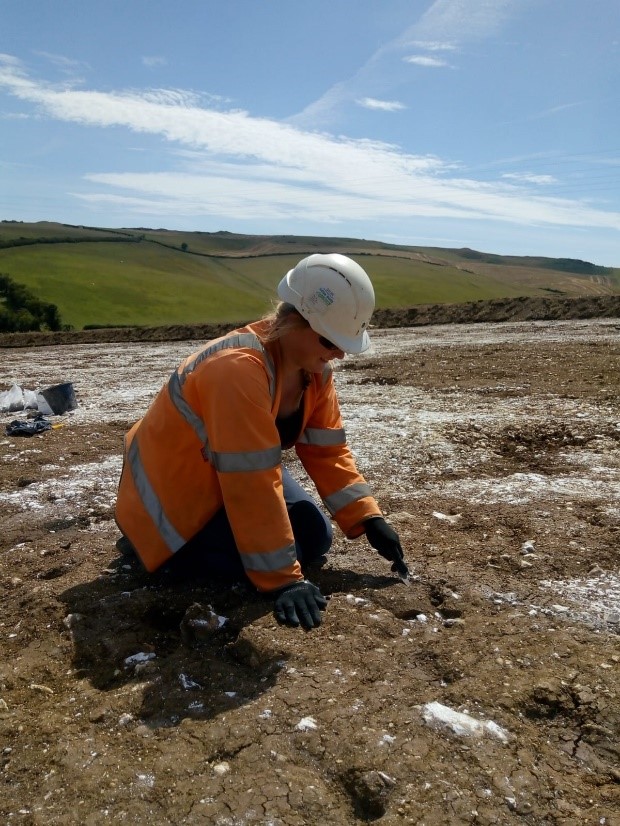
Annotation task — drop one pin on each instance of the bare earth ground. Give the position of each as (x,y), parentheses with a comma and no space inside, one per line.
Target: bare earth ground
(495,452)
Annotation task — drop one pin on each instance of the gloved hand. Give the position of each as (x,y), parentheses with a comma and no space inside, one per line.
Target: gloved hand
(300,603)
(384,539)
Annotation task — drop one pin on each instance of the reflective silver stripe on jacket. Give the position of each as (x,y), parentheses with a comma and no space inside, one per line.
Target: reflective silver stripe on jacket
(225,462)
(241,341)
(271,560)
(151,503)
(323,436)
(178,400)
(243,461)
(345,496)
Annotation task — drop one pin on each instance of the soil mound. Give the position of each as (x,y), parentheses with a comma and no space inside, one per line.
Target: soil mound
(496,310)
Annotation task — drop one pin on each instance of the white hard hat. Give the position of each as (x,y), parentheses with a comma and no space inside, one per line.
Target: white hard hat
(335,296)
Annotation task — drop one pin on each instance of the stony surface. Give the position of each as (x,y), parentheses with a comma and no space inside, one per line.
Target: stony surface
(486,692)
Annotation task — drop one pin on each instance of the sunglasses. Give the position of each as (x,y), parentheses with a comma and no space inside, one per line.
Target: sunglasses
(325,342)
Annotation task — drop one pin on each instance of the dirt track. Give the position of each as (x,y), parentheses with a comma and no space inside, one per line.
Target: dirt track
(494,450)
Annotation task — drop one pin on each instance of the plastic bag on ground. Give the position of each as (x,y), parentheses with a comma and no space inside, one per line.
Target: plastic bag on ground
(28,427)
(12,399)
(30,399)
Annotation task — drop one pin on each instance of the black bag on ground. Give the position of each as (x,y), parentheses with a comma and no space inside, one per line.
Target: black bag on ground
(23,427)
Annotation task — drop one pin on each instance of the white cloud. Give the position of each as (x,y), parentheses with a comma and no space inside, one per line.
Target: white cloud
(169,97)
(459,20)
(235,165)
(433,46)
(153,62)
(10,60)
(554,110)
(68,64)
(423,60)
(324,198)
(383,105)
(530,178)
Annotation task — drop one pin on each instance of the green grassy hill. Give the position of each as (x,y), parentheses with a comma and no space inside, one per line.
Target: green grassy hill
(141,276)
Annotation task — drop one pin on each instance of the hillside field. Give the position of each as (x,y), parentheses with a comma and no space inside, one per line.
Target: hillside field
(152,277)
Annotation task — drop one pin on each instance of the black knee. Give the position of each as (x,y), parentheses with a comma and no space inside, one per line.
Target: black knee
(311,528)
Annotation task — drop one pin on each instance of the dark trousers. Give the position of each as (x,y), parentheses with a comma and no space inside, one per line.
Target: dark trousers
(213,551)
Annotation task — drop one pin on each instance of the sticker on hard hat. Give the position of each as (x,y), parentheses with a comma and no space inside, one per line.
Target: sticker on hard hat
(320,300)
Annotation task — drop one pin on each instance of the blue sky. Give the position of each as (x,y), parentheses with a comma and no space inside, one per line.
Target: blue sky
(491,124)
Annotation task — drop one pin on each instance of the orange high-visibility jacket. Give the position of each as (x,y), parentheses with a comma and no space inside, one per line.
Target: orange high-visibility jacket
(209,440)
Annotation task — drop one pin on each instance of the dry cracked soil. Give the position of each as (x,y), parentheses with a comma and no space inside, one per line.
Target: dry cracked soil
(485,692)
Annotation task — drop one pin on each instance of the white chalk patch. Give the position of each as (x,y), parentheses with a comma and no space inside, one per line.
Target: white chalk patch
(187,683)
(140,657)
(595,599)
(355,600)
(92,484)
(306,724)
(463,725)
(451,518)
(530,488)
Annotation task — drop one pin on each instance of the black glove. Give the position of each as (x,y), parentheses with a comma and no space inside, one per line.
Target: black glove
(300,603)
(384,539)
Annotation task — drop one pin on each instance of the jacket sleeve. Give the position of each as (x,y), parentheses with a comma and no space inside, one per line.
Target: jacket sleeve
(244,447)
(323,450)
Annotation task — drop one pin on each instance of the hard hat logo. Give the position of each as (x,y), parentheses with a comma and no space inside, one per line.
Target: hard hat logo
(321,300)
(335,295)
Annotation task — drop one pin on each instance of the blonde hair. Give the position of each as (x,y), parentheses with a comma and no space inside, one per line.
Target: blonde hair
(283,318)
